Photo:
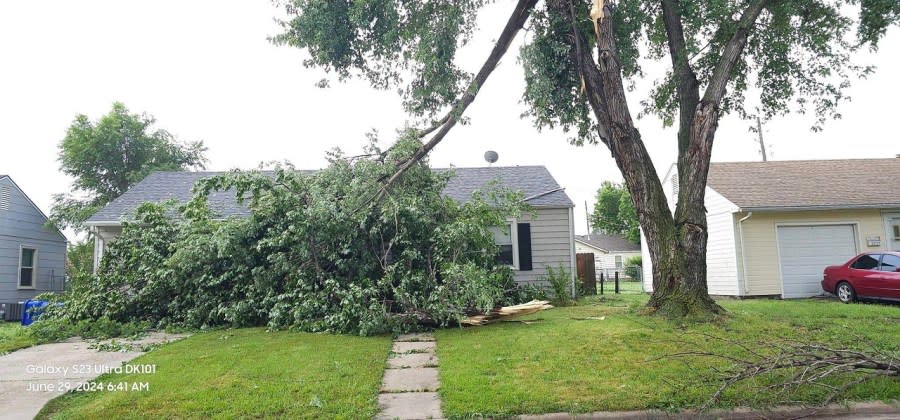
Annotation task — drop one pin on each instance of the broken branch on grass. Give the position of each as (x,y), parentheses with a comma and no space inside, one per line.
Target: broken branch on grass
(800,364)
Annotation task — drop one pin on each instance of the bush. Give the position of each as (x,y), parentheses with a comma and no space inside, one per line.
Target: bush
(314,254)
(560,281)
(633,267)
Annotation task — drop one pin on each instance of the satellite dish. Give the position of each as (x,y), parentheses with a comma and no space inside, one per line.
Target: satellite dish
(491,156)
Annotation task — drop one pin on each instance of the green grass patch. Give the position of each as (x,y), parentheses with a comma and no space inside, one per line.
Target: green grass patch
(561,364)
(244,373)
(14,336)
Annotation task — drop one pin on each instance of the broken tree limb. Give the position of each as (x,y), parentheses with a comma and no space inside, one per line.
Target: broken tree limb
(794,364)
(516,21)
(505,313)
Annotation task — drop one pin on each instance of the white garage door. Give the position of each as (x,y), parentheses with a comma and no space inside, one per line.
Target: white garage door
(805,251)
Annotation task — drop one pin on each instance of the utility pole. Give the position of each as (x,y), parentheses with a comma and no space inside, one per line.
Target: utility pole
(587,219)
(762,144)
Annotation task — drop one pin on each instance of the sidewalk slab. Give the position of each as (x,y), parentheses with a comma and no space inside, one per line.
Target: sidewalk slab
(415,337)
(413,347)
(410,406)
(412,360)
(410,380)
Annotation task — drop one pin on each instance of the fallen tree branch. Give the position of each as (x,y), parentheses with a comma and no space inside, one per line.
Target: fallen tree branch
(516,21)
(799,364)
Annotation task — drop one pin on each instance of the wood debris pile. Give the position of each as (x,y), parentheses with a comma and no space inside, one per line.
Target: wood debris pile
(507,312)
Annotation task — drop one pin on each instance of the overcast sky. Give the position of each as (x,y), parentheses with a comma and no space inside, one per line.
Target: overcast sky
(206,71)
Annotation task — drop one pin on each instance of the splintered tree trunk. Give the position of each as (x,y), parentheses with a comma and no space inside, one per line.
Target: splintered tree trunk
(677,242)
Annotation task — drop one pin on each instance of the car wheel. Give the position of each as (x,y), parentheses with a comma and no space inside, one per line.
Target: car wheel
(845,292)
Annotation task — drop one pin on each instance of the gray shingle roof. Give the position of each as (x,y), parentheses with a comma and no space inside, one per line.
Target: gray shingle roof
(161,186)
(808,183)
(611,243)
(533,181)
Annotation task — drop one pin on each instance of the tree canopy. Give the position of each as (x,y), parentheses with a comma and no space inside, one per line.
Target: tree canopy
(580,59)
(614,212)
(108,156)
(798,55)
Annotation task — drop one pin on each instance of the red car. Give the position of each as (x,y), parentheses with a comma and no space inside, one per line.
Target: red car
(870,275)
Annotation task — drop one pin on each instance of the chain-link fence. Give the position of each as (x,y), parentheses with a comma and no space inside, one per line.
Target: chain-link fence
(626,279)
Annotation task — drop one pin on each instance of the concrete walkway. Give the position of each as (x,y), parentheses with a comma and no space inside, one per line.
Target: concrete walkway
(410,385)
(31,377)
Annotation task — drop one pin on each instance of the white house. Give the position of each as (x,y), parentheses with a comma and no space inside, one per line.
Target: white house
(611,252)
(774,226)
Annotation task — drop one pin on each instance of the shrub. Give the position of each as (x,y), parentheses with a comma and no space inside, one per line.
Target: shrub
(560,281)
(633,267)
(314,254)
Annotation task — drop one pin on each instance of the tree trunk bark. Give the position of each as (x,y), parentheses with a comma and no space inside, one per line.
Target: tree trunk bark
(677,243)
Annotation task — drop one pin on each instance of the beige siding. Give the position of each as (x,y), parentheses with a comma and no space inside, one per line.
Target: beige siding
(551,243)
(761,242)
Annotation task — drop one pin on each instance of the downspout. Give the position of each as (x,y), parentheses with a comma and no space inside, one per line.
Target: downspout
(572,263)
(744,288)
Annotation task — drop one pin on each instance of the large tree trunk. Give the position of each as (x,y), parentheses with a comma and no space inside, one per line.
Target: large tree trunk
(677,243)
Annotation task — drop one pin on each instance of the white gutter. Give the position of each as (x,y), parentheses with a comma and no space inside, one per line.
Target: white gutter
(744,289)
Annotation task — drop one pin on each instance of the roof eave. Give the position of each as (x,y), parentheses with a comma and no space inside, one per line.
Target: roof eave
(591,245)
(821,207)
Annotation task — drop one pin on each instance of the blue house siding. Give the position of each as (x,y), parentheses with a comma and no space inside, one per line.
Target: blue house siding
(22,224)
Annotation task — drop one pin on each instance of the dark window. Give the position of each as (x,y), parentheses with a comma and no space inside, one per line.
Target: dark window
(26,268)
(506,255)
(503,239)
(889,263)
(866,262)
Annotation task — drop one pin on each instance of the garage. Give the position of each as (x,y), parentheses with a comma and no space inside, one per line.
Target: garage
(805,251)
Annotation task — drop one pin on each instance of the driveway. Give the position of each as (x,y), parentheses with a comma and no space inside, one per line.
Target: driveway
(31,377)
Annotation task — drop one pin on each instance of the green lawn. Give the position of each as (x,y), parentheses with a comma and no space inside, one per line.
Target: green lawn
(13,336)
(244,373)
(562,364)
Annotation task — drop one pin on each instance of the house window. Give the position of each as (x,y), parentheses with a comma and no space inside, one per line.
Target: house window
(896,228)
(27,261)
(618,261)
(505,238)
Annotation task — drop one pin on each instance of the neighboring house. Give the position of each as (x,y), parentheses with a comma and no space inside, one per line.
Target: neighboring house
(611,252)
(528,245)
(32,257)
(775,226)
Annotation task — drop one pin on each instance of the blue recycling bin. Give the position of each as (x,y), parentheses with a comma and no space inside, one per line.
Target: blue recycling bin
(31,310)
